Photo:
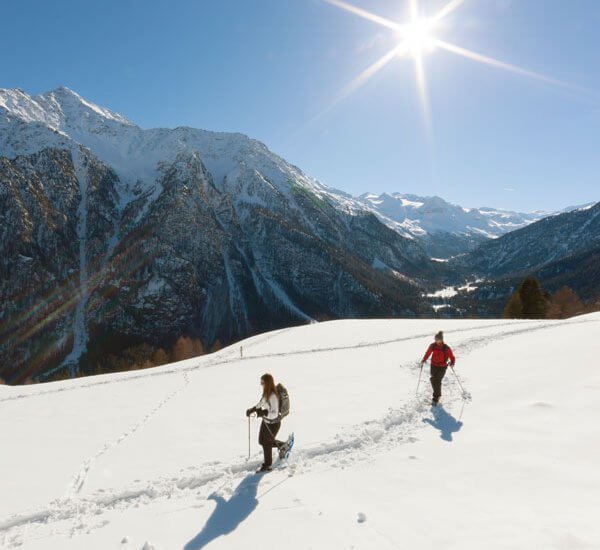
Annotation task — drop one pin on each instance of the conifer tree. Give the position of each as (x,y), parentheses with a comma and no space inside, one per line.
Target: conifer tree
(528,302)
(514,307)
(535,303)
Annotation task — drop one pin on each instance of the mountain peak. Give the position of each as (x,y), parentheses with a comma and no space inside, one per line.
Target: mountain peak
(64,91)
(68,101)
(58,108)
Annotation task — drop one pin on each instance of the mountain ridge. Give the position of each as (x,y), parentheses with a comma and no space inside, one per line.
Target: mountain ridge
(446,229)
(116,240)
(174,232)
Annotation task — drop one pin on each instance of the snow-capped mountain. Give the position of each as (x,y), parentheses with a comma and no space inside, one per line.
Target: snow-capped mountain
(62,118)
(561,250)
(445,229)
(530,248)
(117,239)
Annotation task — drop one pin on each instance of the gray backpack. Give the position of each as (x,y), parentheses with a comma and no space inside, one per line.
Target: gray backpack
(284,401)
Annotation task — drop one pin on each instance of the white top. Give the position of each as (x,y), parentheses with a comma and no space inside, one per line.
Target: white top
(272,406)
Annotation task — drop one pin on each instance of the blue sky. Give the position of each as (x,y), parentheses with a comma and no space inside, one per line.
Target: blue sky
(269,67)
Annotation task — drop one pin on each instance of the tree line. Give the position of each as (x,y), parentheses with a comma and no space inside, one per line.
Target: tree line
(531,301)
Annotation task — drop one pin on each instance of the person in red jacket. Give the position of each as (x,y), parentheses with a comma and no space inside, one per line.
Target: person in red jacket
(441,356)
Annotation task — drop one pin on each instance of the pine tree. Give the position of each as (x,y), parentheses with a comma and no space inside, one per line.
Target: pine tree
(528,302)
(514,307)
(532,297)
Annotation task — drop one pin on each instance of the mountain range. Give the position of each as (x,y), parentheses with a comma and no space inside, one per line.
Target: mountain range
(113,237)
(445,229)
(560,250)
(116,241)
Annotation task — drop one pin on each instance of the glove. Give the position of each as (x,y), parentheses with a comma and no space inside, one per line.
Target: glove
(250,411)
(261,412)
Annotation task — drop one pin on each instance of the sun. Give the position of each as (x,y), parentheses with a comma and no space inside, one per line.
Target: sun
(420,36)
(417,37)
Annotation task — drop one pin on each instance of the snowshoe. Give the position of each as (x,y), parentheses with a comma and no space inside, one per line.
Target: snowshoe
(286,448)
(289,446)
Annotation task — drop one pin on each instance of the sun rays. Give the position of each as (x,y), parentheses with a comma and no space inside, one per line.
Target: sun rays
(418,38)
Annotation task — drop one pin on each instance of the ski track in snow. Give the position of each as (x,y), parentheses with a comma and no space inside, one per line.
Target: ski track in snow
(232,355)
(355,444)
(81,477)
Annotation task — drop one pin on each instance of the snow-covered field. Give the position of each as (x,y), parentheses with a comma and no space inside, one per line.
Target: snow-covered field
(157,458)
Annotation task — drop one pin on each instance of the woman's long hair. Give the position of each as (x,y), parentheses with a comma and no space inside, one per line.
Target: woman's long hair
(269,388)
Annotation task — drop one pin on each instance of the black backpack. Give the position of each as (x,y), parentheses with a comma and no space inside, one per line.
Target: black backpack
(284,401)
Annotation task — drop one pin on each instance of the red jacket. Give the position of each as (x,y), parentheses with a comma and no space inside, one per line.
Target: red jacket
(440,355)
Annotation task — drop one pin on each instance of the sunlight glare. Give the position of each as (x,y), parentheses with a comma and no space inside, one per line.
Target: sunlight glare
(418,37)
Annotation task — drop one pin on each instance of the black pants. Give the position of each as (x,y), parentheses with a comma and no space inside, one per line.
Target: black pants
(437,375)
(266,438)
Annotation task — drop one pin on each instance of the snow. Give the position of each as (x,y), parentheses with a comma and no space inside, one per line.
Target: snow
(238,165)
(413,204)
(80,334)
(283,298)
(583,208)
(447,292)
(62,118)
(420,216)
(469,286)
(157,458)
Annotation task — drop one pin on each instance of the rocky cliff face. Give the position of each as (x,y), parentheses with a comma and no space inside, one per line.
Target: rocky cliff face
(55,215)
(113,237)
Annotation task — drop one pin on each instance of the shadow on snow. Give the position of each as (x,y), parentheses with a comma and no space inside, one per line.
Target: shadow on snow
(444,422)
(228,514)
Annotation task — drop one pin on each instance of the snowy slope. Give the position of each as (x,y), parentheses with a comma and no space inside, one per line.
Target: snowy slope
(160,456)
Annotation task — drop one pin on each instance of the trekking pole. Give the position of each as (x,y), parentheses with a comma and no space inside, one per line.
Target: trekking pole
(466,394)
(419,381)
(248,438)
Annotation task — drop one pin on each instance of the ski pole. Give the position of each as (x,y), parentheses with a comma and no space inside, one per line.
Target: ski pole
(466,394)
(419,381)
(248,438)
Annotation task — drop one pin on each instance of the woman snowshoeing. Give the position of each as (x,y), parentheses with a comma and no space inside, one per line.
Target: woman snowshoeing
(268,409)
(441,358)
